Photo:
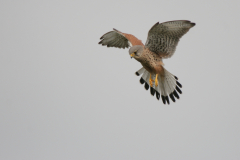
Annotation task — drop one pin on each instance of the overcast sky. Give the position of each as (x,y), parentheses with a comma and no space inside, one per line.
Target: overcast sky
(64,97)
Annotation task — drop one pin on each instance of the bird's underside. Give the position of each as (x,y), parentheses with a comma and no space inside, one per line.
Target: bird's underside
(161,43)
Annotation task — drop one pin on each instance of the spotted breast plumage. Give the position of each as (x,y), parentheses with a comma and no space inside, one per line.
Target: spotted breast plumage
(161,43)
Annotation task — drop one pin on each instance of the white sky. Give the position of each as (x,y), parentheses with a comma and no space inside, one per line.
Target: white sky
(64,97)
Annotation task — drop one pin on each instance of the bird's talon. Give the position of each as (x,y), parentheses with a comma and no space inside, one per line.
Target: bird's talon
(156,83)
(156,80)
(151,81)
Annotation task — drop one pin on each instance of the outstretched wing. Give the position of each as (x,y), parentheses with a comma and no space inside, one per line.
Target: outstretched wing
(164,37)
(118,39)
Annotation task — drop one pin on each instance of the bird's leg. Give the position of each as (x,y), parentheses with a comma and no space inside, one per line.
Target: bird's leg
(156,80)
(151,80)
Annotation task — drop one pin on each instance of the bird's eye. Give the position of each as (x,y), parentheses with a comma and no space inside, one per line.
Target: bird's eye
(135,52)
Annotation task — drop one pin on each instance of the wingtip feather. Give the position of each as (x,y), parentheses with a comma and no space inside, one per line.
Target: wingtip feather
(172,97)
(179,84)
(163,99)
(152,91)
(167,99)
(178,89)
(157,95)
(146,86)
(142,80)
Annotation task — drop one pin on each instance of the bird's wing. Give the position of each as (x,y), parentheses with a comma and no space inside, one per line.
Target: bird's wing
(118,39)
(164,37)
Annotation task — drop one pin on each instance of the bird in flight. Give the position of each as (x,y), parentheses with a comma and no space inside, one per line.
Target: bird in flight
(161,43)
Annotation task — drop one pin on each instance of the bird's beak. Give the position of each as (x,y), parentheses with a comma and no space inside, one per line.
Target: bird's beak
(132,55)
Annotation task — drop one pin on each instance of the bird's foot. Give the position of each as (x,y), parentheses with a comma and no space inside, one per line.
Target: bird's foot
(151,81)
(156,80)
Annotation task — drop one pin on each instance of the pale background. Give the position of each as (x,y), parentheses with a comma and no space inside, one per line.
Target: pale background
(64,97)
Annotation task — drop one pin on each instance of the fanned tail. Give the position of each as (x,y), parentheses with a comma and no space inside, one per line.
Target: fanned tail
(168,86)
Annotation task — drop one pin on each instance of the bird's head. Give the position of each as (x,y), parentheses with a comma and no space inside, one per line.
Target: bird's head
(136,51)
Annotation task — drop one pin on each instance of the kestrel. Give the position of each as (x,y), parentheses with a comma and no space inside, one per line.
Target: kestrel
(161,43)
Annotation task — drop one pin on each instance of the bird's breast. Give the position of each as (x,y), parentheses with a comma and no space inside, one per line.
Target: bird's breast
(151,62)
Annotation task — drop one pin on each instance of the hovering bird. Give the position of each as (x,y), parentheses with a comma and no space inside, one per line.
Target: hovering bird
(161,43)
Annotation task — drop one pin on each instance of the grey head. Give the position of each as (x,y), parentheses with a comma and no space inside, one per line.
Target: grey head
(136,51)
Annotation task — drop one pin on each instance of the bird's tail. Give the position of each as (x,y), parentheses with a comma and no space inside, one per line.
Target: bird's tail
(168,86)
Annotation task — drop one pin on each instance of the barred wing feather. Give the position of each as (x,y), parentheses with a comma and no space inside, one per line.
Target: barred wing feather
(164,37)
(118,39)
